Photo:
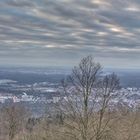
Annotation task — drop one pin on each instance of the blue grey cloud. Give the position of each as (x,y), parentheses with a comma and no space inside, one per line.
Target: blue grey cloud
(60,32)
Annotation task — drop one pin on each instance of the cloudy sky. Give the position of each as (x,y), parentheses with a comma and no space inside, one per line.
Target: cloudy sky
(61,32)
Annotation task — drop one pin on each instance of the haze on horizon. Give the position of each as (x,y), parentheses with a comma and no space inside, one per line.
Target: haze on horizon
(61,32)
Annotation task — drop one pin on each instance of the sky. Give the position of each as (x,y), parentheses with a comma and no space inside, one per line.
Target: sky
(61,32)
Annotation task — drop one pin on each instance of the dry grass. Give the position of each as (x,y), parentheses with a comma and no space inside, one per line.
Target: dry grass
(121,127)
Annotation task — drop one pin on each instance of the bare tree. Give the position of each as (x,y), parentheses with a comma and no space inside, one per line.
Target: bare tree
(13,119)
(87,96)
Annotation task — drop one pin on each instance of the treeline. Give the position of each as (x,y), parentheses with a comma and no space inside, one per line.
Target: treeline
(91,110)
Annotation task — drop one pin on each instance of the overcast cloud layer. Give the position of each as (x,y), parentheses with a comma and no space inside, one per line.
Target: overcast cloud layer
(60,32)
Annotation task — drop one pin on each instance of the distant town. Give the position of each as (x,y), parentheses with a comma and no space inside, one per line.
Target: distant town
(38,87)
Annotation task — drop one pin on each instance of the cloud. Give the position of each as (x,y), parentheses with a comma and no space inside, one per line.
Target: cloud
(44,30)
